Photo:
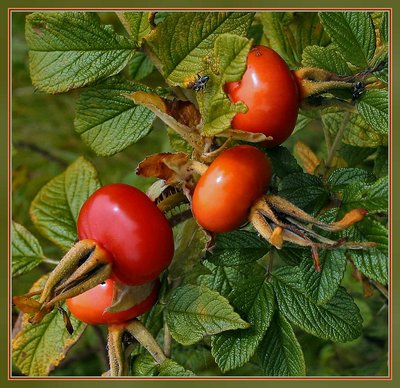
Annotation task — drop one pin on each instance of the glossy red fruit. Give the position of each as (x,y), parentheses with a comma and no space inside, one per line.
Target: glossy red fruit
(225,193)
(126,223)
(270,92)
(90,306)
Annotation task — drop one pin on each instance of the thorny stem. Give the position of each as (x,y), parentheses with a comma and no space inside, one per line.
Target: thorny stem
(337,140)
(144,337)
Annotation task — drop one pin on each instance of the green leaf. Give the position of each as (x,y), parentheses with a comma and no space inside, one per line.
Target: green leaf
(384,27)
(283,162)
(137,24)
(381,166)
(190,246)
(383,74)
(217,110)
(178,144)
(237,248)
(289,33)
(56,207)
(339,320)
(373,197)
(373,105)
(322,286)
(357,133)
(373,263)
(144,365)
(302,122)
(354,155)
(255,300)
(195,311)
(107,121)
(305,191)
(39,348)
(353,33)
(172,368)
(292,254)
(68,50)
(140,66)
(280,353)
(196,358)
(326,58)
(224,279)
(26,250)
(341,177)
(180,45)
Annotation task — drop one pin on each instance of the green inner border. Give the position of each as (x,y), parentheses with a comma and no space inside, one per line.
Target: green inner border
(395,5)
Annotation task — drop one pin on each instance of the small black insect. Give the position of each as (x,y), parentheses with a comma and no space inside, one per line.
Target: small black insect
(200,83)
(358,90)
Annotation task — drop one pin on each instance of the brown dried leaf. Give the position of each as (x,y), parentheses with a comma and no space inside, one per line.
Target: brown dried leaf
(250,137)
(26,304)
(171,167)
(306,156)
(179,116)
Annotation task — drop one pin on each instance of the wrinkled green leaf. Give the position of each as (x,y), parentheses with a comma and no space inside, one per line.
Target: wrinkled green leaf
(373,105)
(237,248)
(39,348)
(280,353)
(384,27)
(26,251)
(373,197)
(357,133)
(353,33)
(140,66)
(224,279)
(195,311)
(373,263)
(144,365)
(322,286)
(289,33)
(255,301)
(339,320)
(283,162)
(341,177)
(180,45)
(56,207)
(172,368)
(137,24)
(107,121)
(68,50)
(305,191)
(190,246)
(326,58)
(217,110)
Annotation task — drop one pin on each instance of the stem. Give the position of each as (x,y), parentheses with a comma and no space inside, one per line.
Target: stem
(115,350)
(381,288)
(337,140)
(144,337)
(167,340)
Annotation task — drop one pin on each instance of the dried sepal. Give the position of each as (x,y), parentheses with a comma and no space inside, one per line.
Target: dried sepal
(251,137)
(277,220)
(285,207)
